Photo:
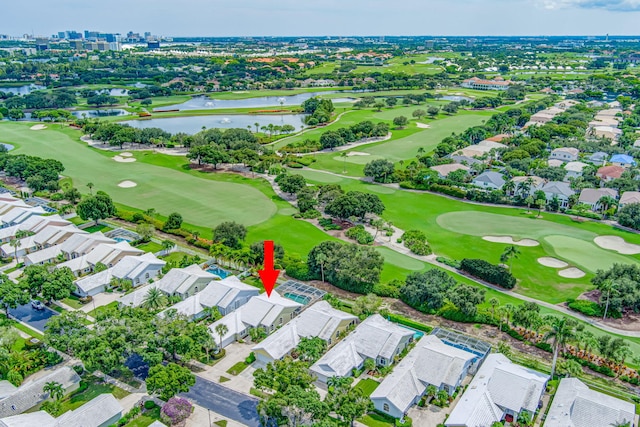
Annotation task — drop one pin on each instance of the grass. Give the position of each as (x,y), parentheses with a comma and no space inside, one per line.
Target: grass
(93,390)
(57,308)
(237,368)
(367,386)
(100,227)
(151,246)
(77,220)
(145,419)
(73,302)
(175,256)
(94,313)
(221,423)
(27,330)
(374,419)
(224,379)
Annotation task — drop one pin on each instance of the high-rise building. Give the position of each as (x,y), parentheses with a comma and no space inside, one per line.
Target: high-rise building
(42,43)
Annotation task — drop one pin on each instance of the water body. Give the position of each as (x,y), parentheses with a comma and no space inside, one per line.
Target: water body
(100,113)
(456,98)
(431,60)
(21,90)
(206,103)
(116,92)
(194,124)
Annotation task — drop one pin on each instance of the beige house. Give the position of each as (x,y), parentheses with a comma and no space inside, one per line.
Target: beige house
(445,170)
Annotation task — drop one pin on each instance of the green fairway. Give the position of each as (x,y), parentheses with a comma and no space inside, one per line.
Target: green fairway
(586,255)
(200,201)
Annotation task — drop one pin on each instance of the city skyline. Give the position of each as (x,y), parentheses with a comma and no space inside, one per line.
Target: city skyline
(332,17)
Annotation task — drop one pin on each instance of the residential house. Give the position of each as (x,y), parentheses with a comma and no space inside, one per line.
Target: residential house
(101,411)
(445,170)
(592,196)
(575,405)
(500,390)
(574,169)
(19,215)
(609,132)
(561,190)
(464,160)
(599,158)
(628,198)
(609,173)
(565,154)
(555,163)
(227,295)
(33,224)
(624,160)
(318,320)
(535,183)
(47,237)
(480,149)
(431,362)
(489,180)
(108,254)
(182,282)
(375,338)
(137,269)
(262,311)
(30,393)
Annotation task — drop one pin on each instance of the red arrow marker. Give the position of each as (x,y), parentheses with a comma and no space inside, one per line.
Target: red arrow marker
(268,275)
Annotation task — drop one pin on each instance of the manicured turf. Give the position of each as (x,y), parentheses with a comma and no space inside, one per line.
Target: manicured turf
(586,255)
(78,399)
(152,247)
(199,201)
(367,386)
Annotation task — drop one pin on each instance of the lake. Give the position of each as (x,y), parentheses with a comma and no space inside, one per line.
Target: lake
(100,113)
(206,103)
(21,90)
(456,98)
(194,124)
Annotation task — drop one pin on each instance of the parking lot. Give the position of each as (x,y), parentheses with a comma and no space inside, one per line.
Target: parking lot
(37,319)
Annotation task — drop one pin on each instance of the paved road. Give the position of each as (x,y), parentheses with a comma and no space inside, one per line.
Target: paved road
(224,401)
(37,319)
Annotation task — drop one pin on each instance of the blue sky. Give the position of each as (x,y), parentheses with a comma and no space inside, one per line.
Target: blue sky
(326,17)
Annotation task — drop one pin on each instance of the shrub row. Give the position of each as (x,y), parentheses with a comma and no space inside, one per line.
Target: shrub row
(360,235)
(488,272)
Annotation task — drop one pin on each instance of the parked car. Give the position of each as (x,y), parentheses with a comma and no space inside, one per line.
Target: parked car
(38,305)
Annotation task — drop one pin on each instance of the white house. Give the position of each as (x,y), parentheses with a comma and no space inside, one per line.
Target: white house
(318,320)
(75,246)
(101,411)
(262,311)
(375,338)
(431,362)
(565,154)
(226,295)
(534,183)
(575,405)
(500,390)
(137,269)
(108,254)
(592,196)
(34,225)
(574,169)
(489,180)
(561,190)
(47,237)
(30,393)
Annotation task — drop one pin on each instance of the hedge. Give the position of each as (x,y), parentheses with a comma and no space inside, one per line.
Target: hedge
(488,272)
(408,322)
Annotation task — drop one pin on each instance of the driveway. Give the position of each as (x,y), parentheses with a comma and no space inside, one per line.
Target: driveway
(224,401)
(37,319)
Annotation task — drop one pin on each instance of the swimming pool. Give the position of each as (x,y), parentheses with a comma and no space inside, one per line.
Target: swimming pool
(416,333)
(297,298)
(214,269)
(121,239)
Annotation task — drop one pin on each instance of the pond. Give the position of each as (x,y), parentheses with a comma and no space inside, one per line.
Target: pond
(206,103)
(456,98)
(21,90)
(115,92)
(194,124)
(111,112)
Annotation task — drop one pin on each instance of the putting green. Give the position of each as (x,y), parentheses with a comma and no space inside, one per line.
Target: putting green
(586,255)
(483,224)
(200,201)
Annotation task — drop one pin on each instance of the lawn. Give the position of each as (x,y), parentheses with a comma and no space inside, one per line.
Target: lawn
(92,390)
(374,419)
(94,313)
(367,386)
(199,201)
(175,256)
(152,247)
(237,368)
(73,302)
(100,227)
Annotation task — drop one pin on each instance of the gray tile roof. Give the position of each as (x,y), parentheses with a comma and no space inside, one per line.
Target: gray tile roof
(575,405)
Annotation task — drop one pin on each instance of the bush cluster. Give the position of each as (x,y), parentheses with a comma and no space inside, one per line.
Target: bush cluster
(488,272)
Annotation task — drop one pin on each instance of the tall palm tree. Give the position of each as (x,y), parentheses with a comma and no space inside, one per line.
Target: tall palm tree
(167,245)
(321,259)
(90,185)
(508,187)
(494,302)
(508,254)
(561,329)
(606,202)
(55,390)
(154,300)
(15,243)
(221,330)
(257,125)
(607,286)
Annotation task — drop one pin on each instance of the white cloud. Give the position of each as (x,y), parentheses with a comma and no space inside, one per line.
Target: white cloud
(612,5)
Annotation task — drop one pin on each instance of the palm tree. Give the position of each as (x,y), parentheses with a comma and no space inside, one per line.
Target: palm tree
(431,391)
(221,330)
(606,202)
(344,161)
(339,383)
(560,330)
(508,187)
(15,243)
(508,254)
(55,390)
(257,125)
(529,201)
(321,259)
(167,245)
(525,187)
(154,300)
(494,302)
(570,368)
(90,185)
(208,344)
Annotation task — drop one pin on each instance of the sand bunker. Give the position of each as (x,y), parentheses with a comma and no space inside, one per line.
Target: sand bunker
(617,244)
(423,125)
(127,184)
(357,153)
(547,261)
(509,240)
(38,127)
(121,159)
(571,273)
(126,154)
